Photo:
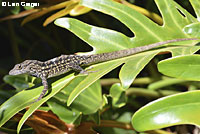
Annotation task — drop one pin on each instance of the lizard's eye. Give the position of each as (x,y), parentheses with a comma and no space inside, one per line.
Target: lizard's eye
(19,66)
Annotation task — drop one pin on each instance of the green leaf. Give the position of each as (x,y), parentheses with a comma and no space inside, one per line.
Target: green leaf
(193,29)
(184,67)
(140,25)
(185,50)
(15,104)
(15,9)
(101,39)
(56,87)
(65,114)
(196,5)
(95,118)
(21,82)
(101,69)
(24,98)
(118,95)
(133,67)
(90,100)
(28,7)
(172,110)
(126,118)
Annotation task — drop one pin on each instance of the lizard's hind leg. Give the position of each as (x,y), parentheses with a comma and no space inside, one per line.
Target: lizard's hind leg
(87,71)
(79,69)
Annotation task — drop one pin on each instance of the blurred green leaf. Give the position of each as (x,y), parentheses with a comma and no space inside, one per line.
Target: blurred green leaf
(28,7)
(184,67)
(95,117)
(164,83)
(125,117)
(15,9)
(172,110)
(65,114)
(60,13)
(118,95)
(21,82)
(78,10)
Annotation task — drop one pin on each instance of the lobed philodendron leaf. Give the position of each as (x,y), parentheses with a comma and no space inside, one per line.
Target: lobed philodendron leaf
(145,31)
(172,110)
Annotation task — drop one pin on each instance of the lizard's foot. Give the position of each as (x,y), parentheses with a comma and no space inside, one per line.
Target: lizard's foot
(86,71)
(83,72)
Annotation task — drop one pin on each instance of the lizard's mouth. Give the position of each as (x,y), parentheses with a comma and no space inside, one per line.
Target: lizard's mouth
(14,72)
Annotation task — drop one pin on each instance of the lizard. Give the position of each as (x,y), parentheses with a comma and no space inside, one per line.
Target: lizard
(66,63)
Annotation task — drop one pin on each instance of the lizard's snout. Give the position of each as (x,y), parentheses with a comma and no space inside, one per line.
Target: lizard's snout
(16,70)
(12,72)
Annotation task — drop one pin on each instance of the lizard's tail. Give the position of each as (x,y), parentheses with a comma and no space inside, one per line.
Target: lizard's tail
(127,52)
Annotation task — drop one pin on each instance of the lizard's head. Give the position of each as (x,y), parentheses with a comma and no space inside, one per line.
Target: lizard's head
(26,67)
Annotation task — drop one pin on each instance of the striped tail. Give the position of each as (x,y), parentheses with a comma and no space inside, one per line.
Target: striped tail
(96,58)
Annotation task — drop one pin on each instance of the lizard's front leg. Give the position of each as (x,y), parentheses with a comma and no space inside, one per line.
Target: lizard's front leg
(45,84)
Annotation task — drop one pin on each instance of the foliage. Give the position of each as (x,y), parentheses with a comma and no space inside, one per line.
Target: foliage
(79,99)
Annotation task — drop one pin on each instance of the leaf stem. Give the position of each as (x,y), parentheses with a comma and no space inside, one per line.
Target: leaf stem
(165,82)
(110,123)
(149,93)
